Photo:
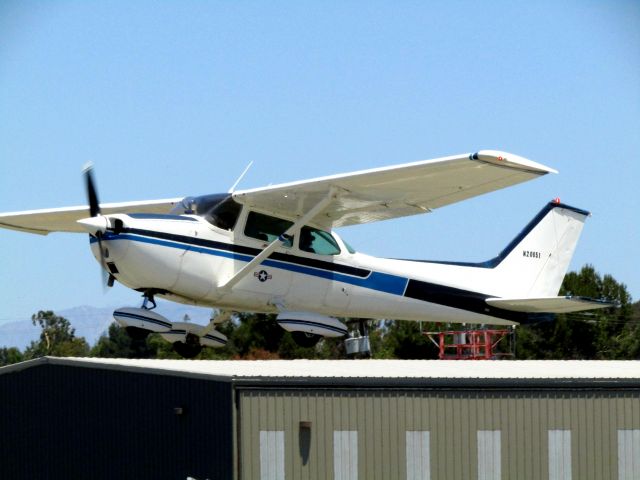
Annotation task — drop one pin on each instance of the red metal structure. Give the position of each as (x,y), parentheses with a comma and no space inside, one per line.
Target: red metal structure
(472,344)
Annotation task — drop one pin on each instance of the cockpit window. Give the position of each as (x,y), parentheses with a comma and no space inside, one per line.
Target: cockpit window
(318,241)
(199,205)
(187,206)
(219,209)
(225,214)
(266,228)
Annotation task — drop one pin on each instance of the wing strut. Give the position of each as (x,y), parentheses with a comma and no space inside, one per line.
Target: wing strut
(257,260)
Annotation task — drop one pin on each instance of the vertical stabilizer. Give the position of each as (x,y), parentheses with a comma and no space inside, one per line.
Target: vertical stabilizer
(536,261)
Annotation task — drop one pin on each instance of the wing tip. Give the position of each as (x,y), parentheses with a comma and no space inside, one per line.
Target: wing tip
(512,160)
(18,228)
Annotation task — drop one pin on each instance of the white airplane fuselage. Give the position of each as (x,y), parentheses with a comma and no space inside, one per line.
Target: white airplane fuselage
(186,259)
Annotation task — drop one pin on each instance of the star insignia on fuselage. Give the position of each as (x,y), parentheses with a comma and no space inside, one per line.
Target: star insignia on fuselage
(262,275)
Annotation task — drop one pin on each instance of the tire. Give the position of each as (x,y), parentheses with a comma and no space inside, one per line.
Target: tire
(187,351)
(136,333)
(306,340)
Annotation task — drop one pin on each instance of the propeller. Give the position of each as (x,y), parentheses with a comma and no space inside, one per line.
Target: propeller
(97,220)
(92,194)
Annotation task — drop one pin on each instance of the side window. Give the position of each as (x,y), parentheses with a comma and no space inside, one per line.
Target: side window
(225,214)
(266,228)
(318,241)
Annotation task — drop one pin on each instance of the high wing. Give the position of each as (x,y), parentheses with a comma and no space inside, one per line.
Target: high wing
(361,197)
(396,191)
(65,219)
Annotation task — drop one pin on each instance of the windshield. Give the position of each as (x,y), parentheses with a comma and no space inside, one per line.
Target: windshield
(219,209)
(198,205)
(225,214)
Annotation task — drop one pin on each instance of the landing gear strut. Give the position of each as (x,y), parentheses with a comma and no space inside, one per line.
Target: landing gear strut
(148,297)
(140,334)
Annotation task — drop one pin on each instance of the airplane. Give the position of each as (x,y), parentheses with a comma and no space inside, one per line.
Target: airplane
(273,250)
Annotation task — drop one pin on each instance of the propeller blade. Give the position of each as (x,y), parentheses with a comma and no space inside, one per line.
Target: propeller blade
(94,211)
(103,263)
(92,194)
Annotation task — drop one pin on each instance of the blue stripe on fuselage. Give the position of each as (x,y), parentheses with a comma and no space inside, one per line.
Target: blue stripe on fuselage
(382,282)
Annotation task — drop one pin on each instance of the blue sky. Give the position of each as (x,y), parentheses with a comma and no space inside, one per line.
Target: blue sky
(175,98)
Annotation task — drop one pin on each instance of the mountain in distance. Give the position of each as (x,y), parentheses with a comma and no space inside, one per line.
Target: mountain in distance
(92,322)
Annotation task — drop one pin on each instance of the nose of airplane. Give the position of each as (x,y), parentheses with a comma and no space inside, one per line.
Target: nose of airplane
(94,225)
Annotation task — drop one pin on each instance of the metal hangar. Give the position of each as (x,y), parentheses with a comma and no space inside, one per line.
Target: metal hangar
(305,419)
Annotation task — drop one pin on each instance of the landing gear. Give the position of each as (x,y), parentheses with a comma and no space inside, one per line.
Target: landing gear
(358,344)
(190,348)
(140,334)
(187,338)
(137,334)
(306,340)
(148,298)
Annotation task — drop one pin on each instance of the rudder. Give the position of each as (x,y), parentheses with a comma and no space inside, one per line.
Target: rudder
(536,261)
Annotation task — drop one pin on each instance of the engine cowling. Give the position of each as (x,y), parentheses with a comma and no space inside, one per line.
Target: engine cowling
(311,323)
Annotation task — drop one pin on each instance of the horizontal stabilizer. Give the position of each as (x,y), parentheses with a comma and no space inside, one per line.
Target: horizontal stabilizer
(548,304)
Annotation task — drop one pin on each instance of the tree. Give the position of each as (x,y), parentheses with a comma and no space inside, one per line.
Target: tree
(10,355)
(57,338)
(256,332)
(403,340)
(629,338)
(258,336)
(118,344)
(598,334)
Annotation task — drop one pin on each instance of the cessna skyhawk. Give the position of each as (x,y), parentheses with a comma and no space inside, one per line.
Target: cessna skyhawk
(272,250)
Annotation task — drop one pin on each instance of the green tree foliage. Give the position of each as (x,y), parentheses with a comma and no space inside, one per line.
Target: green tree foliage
(609,333)
(10,355)
(118,344)
(402,340)
(57,338)
(629,339)
(256,332)
(259,336)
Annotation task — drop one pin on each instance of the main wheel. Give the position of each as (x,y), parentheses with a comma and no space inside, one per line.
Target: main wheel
(186,350)
(136,333)
(306,339)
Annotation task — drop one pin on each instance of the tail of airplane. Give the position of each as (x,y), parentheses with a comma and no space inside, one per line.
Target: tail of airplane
(527,275)
(534,264)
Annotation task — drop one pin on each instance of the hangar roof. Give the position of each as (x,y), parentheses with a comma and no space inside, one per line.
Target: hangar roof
(368,372)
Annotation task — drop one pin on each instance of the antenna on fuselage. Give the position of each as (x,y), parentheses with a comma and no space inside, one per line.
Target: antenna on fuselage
(233,187)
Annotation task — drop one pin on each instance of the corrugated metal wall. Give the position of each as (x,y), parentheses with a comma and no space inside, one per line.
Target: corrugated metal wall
(73,423)
(452,434)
